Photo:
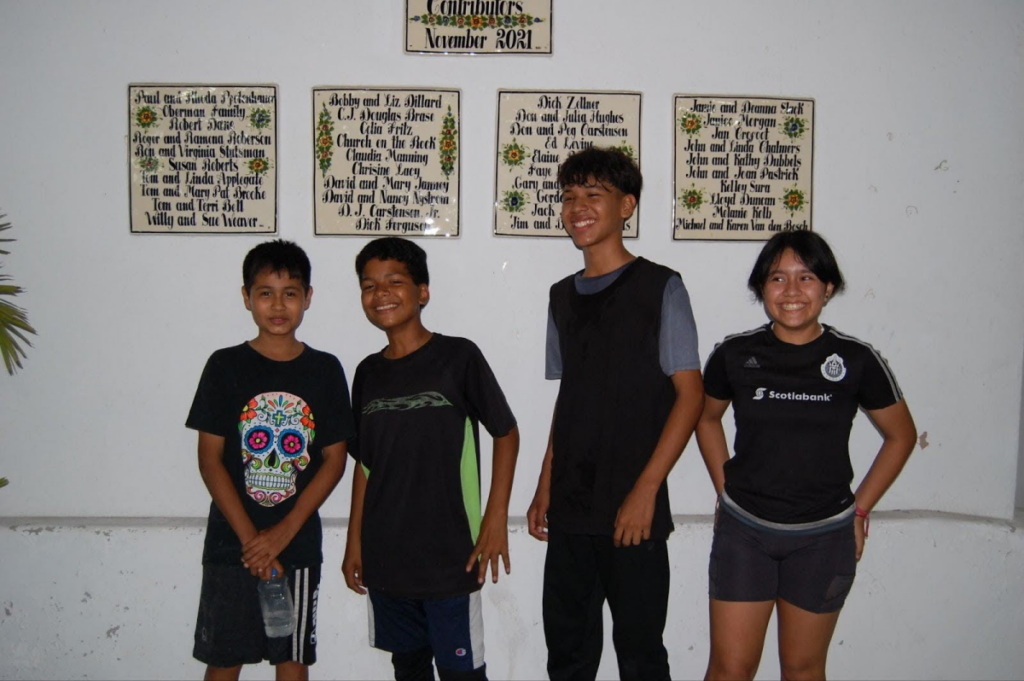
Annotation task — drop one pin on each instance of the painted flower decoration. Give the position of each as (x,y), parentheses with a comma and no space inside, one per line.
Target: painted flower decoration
(259,118)
(307,417)
(146,117)
(324,146)
(257,439)
(248,411)
(476,22)
(258,166)
(626,149)
(794,200)
(514,201)
(448,143)
(794,127)
(690,123)
(148,164)
(514,154)
(460,21)
(692,199)
(291,443)
(492,21)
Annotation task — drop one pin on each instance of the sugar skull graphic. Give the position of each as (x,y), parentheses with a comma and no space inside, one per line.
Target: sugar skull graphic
(277,429)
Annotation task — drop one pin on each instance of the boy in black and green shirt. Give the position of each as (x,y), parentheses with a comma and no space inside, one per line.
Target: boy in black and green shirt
(417,541)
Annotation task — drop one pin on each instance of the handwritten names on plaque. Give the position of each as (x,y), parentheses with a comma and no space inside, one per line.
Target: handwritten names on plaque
(743,166)
(537,130)
(202,158)
(386,161)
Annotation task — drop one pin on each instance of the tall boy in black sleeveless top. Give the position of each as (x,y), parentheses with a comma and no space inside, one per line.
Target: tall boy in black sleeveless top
(626,407)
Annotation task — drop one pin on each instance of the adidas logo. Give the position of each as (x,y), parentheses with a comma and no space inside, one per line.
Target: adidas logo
(751,363)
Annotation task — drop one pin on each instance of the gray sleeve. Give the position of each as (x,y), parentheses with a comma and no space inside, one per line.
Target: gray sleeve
(552,352)
(677,342)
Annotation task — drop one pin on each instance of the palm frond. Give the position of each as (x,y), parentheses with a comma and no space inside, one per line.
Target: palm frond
(14,326)
(4,226)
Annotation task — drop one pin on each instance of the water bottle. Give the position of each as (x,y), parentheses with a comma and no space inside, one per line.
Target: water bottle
(277,606)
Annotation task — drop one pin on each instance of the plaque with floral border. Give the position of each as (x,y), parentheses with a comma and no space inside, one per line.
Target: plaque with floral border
(202,158)
(386,161)
(537,130)
(478,26)
(743,166)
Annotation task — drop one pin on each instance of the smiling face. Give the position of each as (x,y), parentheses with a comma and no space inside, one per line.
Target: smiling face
(391,300)
(794,297)
(594,212)
(277,302)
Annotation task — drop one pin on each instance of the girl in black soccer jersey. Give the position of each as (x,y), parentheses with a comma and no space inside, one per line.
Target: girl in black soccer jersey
(788,530)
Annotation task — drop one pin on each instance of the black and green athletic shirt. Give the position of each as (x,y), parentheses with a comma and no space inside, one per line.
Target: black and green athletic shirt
(419,444)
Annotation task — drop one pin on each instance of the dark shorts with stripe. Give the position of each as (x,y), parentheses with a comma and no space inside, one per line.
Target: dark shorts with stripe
(814,572)
(229,628)
(453,628)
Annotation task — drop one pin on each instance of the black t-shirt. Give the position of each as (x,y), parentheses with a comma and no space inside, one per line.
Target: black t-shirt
(418,440)
(276,418)
(794,407)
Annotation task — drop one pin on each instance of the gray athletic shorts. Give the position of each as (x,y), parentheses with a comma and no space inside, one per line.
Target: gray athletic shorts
(813,572)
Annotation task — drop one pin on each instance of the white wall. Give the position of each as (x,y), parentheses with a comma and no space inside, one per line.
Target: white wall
(936,597)
(125,322)
(919,164)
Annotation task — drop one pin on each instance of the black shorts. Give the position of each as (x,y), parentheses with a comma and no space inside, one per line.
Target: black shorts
(229,628)
(813,572)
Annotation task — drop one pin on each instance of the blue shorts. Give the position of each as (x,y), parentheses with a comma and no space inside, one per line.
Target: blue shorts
(453,628)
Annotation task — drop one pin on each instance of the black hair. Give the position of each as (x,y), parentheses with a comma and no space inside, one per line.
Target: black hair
(401,250)
(277,256)
(607,166)
(809,247)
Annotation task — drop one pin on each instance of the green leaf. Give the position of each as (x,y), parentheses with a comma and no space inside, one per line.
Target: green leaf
(14,326)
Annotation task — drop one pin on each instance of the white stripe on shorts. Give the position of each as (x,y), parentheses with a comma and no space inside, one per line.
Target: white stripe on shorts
(301,612)
(369,615)
(476,629)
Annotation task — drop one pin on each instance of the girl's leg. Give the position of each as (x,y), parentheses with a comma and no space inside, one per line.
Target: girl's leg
(737,638)
(804,637)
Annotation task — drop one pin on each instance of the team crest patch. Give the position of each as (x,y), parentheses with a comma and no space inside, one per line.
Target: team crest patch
(833,368)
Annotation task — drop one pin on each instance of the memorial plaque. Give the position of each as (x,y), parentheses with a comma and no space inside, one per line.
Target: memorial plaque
(386,161)
(537,130)
(743,166)
(478,26)
(202,158)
